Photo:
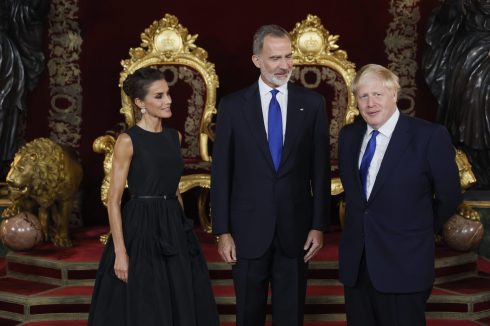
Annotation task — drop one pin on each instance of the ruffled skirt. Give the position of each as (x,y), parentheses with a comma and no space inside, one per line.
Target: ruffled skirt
(168,281)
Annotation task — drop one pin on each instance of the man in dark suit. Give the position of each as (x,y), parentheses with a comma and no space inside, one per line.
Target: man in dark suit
(270,184)
(401,184)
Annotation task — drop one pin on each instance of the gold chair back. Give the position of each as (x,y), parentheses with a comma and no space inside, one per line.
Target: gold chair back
(320,65)
(168,46)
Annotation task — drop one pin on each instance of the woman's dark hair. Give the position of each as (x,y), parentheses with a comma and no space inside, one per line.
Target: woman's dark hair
(137,84)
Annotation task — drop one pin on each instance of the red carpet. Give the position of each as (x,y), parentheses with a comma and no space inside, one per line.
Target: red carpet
(22,287)
(467,286)
(49,280)
(84,249)
(484,266)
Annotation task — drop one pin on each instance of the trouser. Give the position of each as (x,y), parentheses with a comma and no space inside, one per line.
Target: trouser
(365,306)
(287,279)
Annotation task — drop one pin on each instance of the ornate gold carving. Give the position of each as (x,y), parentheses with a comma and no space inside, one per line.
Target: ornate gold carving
(105,145)
(65,114)
(478,203)
(64,73)
(168,45)
(169,41)
(194,180)
(104,238)
(466,179)
(203,181)
(313,45)
(464,231)
(166,42)
(3,190)
(466,176)
(204,216)
(336,187)
(45,176)
(466,211)
(401,49)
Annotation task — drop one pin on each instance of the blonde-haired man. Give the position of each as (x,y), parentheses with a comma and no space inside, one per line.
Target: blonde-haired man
(401,184)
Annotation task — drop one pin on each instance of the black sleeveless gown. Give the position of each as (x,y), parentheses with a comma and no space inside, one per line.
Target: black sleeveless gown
(168,281)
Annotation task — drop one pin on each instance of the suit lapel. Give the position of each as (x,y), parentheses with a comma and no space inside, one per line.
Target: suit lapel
(252,110)
(294,122)
(399,141)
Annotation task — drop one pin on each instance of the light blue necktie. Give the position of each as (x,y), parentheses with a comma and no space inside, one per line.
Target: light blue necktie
(274,128)
(367,158)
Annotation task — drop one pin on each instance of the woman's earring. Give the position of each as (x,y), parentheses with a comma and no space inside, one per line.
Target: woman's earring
(143,111)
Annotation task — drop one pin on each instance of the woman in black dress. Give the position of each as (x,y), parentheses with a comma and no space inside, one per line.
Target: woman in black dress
(152,271)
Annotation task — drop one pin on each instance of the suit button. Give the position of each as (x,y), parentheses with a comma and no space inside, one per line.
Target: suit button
(366,212)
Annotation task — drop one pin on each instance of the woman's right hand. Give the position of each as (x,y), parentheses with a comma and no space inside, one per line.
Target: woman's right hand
(121,267)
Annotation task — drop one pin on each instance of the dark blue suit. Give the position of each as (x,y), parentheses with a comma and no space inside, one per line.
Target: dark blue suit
(249,199)
(415,192)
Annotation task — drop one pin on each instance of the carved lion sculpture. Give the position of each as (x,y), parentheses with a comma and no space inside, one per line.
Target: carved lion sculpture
(45,176)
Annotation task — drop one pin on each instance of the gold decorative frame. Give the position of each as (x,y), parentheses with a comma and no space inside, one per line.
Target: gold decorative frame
(167,42)
(314,45)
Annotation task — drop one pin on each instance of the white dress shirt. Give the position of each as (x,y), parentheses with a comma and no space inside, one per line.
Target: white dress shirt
(265,99)
(382,141)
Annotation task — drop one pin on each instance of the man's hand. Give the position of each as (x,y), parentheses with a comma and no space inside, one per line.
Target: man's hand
(226,248)
(313,244)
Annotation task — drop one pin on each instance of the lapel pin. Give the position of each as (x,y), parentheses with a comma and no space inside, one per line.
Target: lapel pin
(301,109)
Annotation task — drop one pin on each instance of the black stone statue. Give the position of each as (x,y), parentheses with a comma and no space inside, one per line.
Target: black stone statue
(21,63)
(456,64)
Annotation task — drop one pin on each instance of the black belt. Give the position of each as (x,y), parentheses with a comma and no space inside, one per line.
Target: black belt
(164,197)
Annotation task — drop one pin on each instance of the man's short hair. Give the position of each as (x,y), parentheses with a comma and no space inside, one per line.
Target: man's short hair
(267,30)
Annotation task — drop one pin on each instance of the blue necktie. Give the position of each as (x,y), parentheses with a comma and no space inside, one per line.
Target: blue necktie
(367,158)
(274,128)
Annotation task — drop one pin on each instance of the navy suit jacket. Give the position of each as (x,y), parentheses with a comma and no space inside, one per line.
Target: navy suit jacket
(416,190)
(252,201)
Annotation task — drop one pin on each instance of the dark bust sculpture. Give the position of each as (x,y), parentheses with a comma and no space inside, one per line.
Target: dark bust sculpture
(456,64)
(21,63)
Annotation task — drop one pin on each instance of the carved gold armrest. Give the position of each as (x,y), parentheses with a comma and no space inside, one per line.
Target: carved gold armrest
(105,145)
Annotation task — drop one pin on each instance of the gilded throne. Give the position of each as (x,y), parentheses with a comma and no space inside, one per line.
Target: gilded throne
(168,46)
(320,65)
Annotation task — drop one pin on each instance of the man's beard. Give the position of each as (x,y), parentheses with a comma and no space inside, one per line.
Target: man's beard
(271,78)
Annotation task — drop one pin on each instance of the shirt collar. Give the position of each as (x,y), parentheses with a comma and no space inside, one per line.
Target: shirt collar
(388,127)
(264,88)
